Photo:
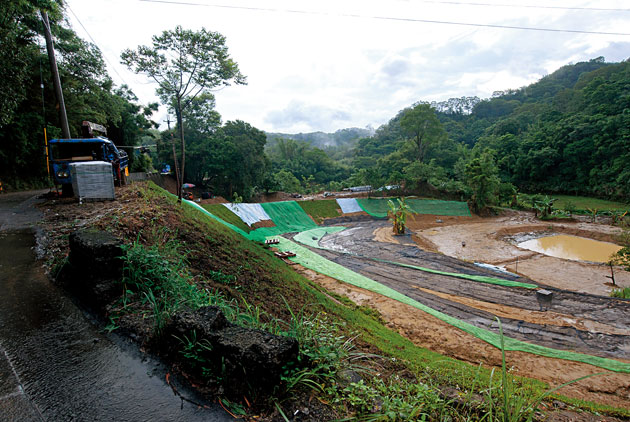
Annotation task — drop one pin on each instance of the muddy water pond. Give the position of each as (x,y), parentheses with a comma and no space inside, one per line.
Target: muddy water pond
(571,247)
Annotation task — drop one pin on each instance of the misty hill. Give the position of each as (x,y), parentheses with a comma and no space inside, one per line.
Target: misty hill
(322,140)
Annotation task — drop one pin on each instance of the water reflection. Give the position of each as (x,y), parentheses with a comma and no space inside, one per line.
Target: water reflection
(572,247)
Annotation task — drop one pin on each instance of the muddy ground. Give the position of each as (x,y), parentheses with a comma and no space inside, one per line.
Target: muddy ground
(578,321)
(489,240)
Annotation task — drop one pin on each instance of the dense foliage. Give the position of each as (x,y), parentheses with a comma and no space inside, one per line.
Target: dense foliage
(26,108)
(567,133)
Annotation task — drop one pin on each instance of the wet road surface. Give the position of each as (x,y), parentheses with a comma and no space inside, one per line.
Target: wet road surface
(56,366)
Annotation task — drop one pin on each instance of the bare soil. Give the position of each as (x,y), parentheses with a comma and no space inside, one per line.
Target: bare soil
(429,332)
(476,239)
(582,322)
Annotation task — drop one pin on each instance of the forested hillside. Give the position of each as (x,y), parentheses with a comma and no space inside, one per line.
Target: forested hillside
(567,133)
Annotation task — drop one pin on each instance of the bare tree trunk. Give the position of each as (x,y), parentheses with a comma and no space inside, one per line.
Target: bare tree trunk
(178,189)
(181,135)
(179,185)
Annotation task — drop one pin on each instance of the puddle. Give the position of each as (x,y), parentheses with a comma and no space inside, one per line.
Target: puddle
(56,366)
(571,247)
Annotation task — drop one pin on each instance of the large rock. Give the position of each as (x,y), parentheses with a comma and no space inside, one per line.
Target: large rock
(253,357)
(251,361)
(98,252)
(94,268)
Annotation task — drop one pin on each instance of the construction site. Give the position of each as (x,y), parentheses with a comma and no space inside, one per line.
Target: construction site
(448,281)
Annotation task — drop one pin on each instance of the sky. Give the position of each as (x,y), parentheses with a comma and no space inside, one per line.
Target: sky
(332,64)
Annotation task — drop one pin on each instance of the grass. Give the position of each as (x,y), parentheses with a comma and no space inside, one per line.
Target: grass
(340,320)
(318,210)
(577,204)
(621,293)
(225,214)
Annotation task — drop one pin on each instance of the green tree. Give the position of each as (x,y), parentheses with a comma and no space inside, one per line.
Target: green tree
(184,64)
(422,126)
(286,181)
(483,180)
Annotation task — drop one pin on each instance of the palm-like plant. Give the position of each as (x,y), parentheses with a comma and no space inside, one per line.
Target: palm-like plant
(398,215)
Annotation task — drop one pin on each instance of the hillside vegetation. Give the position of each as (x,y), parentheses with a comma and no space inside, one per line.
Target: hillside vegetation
(350,363)
(565,134)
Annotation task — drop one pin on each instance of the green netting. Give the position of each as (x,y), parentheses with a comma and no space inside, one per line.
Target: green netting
(313,236)
(220,220)
(288,217)
(479,278)
(322,265)
(377,207)
(438,207)
(311,260)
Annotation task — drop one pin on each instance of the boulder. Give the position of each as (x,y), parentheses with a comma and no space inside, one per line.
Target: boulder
(97,251)
(94,268)
(249,360)
(254,357)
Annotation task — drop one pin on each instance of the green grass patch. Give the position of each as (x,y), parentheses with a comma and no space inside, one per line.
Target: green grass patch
(224,213)
(318,210)
(577,204)
(622,293)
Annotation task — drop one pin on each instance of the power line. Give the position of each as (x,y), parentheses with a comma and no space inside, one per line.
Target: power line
(528,6)
(385,18)
(96,44)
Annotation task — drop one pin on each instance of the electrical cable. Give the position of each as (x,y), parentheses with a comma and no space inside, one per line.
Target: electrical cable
(96,44)
(528,6)
(386,18)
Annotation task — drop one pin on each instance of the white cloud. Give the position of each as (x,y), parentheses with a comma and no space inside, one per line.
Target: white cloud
(328,69)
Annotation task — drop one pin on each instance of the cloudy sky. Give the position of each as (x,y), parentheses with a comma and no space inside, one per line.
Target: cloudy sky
(333,64)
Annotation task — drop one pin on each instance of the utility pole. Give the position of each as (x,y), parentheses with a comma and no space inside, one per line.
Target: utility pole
(179,184)
(65,129)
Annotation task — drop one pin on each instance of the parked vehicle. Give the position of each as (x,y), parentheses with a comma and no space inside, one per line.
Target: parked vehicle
(63,152)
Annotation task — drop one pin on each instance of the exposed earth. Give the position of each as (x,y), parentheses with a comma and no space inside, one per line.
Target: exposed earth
(490,240)
(583,318)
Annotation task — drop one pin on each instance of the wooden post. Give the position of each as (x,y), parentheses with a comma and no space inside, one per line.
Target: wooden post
(63,117)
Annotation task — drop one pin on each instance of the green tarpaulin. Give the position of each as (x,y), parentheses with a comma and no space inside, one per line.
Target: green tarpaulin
(377,207)
(311,260)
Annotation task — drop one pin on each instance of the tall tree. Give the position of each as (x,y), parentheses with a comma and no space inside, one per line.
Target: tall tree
(184,64)
(483,180)
(422,126)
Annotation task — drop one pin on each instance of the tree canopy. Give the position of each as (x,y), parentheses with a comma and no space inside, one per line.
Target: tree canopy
(184,64)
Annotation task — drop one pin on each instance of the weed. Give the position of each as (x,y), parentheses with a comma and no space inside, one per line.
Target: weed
(58,265)
(158,276)
(196,352)
(621,293)
(324,353)
(394,400)
(219,277)
(515,404)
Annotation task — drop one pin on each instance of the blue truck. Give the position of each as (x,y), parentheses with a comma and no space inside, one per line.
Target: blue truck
(63,152)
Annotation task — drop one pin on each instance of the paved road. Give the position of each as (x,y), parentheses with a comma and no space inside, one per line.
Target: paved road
(54,364)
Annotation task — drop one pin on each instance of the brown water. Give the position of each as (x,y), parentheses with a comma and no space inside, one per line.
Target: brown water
(572,247)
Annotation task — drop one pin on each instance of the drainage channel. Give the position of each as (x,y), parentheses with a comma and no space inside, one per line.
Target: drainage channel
(56,366)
